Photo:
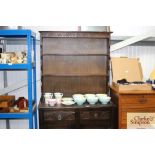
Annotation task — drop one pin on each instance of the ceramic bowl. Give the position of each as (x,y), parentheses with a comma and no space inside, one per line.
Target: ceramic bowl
(52,102)
(104,100)
(78,95)
(79,100)
(48,95)
(89,95)
(104,95)
(92,99)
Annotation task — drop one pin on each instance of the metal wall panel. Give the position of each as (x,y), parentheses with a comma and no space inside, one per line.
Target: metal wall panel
(146,55)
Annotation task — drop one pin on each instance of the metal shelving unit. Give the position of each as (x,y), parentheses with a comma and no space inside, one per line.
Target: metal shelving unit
(30,67)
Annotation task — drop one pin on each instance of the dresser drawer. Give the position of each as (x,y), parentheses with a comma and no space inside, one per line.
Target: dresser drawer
(95,124)
(123,126)
(60,125)
(59,115)
(137,101)
(94,115)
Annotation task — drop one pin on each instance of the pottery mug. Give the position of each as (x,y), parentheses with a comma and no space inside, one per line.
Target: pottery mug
(48,96)
(3,58)
(58,97)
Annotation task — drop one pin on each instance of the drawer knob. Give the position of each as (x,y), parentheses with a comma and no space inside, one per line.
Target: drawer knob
(59,117)
(142,100)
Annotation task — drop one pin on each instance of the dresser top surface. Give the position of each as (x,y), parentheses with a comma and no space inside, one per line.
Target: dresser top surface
(75,106)
(133,91)
(75,34)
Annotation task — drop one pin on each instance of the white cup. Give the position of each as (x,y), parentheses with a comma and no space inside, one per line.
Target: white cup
(47,96)
(58,95)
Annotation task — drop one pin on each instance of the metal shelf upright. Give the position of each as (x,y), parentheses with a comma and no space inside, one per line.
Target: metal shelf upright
(30,67)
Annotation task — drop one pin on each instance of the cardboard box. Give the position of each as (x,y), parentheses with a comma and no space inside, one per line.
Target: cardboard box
(129,69)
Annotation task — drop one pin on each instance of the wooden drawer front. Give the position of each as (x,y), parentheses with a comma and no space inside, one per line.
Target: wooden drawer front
(137,101)
(123,126)
(58,125)
(95,124)
(94,115)
(59,115)
(72,45)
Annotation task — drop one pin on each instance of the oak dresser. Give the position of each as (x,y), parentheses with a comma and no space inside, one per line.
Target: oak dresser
(75,62)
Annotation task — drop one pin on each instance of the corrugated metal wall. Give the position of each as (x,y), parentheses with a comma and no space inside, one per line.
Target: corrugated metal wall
(146,54)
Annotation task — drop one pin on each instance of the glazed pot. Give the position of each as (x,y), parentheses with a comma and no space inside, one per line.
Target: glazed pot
(92,99)
(104,100)
(79,99)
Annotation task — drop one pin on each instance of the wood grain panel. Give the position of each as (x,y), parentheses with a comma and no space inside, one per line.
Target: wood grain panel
(74,65)
(95,124)
(75,34)
(94,115)
(123,126)
(59,116)
(74,85)
(137,101)
(74,46)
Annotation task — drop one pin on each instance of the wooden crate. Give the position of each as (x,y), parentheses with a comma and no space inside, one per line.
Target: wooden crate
(6,101)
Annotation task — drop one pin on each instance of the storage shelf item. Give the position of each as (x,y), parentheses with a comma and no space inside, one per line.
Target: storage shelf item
(30,67)
(24,115)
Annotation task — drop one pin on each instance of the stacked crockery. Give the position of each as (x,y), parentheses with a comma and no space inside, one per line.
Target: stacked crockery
(79,99)
(48,99)
(67,101)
